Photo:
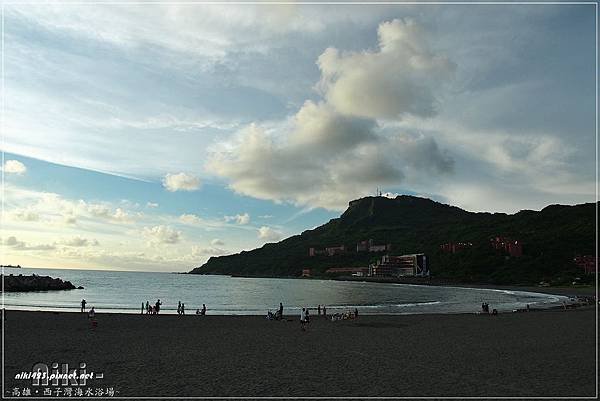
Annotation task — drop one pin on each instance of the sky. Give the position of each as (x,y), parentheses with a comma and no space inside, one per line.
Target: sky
(151,137)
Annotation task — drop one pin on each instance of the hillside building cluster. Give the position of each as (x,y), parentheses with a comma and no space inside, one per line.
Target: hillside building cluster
(362,246)
(453,247)
(386,266)
(512,247)
(400,266)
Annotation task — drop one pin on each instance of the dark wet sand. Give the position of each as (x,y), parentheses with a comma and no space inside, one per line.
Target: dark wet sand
(545,353)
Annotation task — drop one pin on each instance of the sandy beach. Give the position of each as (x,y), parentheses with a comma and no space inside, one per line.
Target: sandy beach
(544,353)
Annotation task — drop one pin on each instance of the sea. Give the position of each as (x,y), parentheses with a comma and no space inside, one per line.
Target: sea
(124,292)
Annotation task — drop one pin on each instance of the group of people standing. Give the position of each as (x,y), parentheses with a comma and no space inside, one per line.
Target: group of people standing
(155,309)
(485,308)
(151,309)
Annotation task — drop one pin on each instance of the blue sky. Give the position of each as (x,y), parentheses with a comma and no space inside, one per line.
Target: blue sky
(151,137)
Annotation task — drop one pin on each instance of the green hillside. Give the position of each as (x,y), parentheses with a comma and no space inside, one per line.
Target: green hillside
(550,238)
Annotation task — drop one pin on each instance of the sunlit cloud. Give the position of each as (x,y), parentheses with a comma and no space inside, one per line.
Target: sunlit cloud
(181,182)
(14,167)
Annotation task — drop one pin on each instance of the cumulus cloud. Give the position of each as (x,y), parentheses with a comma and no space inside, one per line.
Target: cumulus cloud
(80,242)
(190,219)
(198,251)
(23,215)
(339,149)
(402,77)
(152,205)
(217,242)
(161,235)
(105,212)
(181,182)
(17,245)
(269,234)
(14,167)
(241,219)
(324,168)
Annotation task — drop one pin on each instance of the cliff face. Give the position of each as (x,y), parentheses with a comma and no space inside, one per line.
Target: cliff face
(34,282)
(550,237)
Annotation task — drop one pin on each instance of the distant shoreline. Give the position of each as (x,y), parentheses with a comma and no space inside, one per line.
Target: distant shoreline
(563,291)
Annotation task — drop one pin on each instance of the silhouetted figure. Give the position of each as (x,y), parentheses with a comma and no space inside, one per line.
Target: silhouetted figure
(183,309)
(143,307)
(303,319)
(92,313)
(528,308)
(324,311)
(280,310)
(203,311)
(83,305)
(355,313)
(319,310)
(147,308)
(179,308)
(307,316)
(157,306)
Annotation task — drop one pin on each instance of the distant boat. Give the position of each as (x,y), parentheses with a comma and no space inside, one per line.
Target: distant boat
(14,267)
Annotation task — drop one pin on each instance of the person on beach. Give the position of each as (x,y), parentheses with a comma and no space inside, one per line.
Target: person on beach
(179,308)
(319,310)
(307,317)
(83,305)
(147,308)
(157,306)
(197,311)
(203,311)
(303,319)
(355,313)
(143,307)
(280,310)
(183,309)
(92,313)
(324,312)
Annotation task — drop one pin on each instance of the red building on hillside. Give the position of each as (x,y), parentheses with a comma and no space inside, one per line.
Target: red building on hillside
(513,247)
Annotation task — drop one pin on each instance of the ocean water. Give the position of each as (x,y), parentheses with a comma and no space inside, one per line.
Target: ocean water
(124,292)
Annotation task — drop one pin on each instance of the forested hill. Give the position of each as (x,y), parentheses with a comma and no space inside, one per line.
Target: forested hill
(550,239)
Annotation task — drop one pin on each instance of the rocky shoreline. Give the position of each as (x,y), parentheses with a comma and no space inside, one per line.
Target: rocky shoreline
(34,282)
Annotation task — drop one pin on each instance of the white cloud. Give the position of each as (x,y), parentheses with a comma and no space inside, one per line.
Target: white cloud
(190,219)
(337,150)
(23,215)
(325,160)
(161,235)
(402,77)
(198,251)
(104,211)
(269,234)
(181,182)
(152,205)
(241,219)
(14,167)
(80,242)
(217,242)
(17,245)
